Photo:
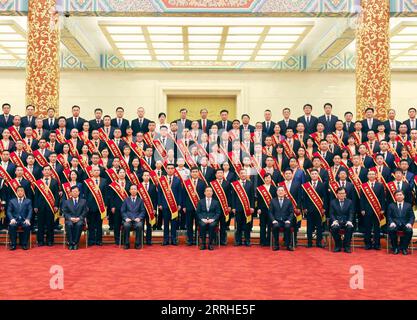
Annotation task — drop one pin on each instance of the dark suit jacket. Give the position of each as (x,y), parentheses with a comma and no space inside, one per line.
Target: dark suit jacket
(94,125)
(176,190)
(91,201)
(39,200)
(351,127)
(323,194)
(281,214)
(291,124)
(328,126)
(3,123)
(344,214)
(312,126)
(201,185)
(365,127)
(387,125)
(69,211)
(400,218)
(70,123)
(380,194)
(25,122)
(228,125)
(261,203)
(47,126)
(133,210)
(209,123)
(123,126)
(19,212)
(236,204)
(408,124)
(269,132)
(212,213)
(137,128)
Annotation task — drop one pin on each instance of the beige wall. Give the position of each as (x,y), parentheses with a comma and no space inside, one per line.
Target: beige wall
(255,90)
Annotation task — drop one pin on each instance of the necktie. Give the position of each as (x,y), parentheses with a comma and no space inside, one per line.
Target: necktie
(140,122)
(133,200)
(314,185)
(328,119)
(50,123)
(163,141)
(280,202)
(146,186)
(29,142)
(159,173)
(308,120)
(267,126)
(75,122)
(62,131)
(47,182)
(372,185)
(341,204)
(392,125)
(97,182)
(204,171)
(414,144)
(195,183)
(6,118)
(244,183)
(20,201)
(75,202)
(208,204)
(399,206)
(398,186)
(204,125)
(343,184)
(224,124)
(119,121)
(170,180)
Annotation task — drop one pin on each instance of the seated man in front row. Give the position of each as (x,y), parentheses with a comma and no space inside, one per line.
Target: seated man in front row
(400,218)
(341,216)
(208,214)
(19,212)
(74,210)
(281,213)
(133,215)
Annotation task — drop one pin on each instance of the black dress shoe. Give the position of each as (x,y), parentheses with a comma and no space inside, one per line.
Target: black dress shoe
(174,243)
(41,244)
(377,247)
(223,243)
(347,250)
(165,243)
(50,244)
(395,251)
(290,248)
(99,243)
(148,243)
(247,244)
(127,246)
(137,247)
(90,244)
(203,247)
(238,244)
(337,249)
(70,247)
(12,248)
(25,247)
(309,245)
(210,247)
(405,252)
(275,248)
(368,247)
(319,245)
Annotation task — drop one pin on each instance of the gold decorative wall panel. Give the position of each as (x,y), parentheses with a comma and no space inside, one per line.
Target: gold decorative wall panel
(373,76)
(42,67)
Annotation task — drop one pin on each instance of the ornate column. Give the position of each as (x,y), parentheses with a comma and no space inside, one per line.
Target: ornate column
(373,74)
(42,62)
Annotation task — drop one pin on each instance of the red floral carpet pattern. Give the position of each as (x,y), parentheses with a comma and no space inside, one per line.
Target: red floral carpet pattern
(187,273)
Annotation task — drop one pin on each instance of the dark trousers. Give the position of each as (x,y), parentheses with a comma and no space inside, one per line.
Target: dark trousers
(404,241)
(334,230)
(182,223)
(23,236)
(242,227)
(137,227)
(207,227)
(166,216)
(45,224)
(314,223)
(111,221)
(117,223)
(371,223)
(287,233)
(191,221)
(264,227)
(73,231)
(148,230)
(159,220)
(95,227)
(223,228)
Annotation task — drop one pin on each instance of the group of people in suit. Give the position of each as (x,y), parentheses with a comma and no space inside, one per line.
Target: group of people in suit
(198,175)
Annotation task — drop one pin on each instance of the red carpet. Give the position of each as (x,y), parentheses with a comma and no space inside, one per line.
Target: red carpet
(187,273)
